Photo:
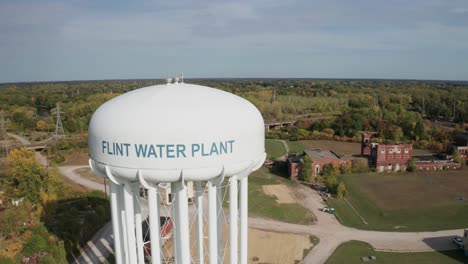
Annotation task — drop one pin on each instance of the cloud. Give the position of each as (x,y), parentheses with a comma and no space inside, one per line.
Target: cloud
(121,39)
(459,10)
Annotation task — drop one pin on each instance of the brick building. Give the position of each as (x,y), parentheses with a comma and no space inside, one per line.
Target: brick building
(460,145)
(437,165)
(386,157)
(319,158)
(391,157)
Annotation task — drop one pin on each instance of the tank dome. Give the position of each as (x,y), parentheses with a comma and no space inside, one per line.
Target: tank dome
(176,130)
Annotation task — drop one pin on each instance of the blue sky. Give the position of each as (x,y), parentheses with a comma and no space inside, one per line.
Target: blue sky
(103,39)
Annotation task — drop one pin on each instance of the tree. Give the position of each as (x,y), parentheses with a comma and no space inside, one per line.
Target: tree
(41,125)
(419,130)
(25,174)
(12,219)
(341,191)
(307,168)
(456,156)
(411,166)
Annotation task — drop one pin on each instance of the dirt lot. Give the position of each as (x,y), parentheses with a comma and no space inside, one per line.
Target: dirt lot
(415,190)
(271,247)
(281,192)
(264,247)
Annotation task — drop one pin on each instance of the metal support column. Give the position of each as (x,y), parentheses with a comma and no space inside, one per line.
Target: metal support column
(130,223)
(182,232)
(212,224)
(123,221)
(138,221)
(233,216)
(116,223)
(219,214)
(243,220)
(155,225)
(199,213)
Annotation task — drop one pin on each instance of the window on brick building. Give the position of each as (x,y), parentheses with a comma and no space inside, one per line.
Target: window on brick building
(382,151)
(406,150)
(390,151)
(398,150)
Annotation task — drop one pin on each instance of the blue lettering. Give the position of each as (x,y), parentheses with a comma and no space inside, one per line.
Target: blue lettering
(108,149)
(118,149)
(126,148)
(160,147)
(222,147)
(203,151)
(152,151)
(195,148)
(214,149)
(170,151)
(104,145)
(230,144)
(181,150)
(140,151)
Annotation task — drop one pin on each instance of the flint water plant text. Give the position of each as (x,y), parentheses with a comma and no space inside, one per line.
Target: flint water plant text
(168,151)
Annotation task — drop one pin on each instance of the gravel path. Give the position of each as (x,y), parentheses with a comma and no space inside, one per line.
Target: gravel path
(70,173)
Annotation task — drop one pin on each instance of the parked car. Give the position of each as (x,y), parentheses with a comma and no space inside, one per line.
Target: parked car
(458,241)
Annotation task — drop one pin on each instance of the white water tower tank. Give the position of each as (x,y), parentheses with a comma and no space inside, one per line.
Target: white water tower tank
(174,133)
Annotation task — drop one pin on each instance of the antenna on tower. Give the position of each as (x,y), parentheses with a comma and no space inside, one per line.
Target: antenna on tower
(3,131)
(59,132)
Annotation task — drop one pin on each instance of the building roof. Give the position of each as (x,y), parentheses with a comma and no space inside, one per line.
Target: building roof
(461,139)
(316,154)
(295,158)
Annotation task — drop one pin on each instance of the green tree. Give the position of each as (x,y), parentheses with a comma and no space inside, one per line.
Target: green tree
(457,157)
(12,219)
(419,130)
(25,174)
(411,166)
(341,190)
(307,168)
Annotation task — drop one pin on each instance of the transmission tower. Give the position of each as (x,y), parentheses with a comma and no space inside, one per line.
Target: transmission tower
(59,132)
(3,131)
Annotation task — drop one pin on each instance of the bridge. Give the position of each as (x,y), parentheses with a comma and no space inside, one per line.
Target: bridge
(5,149)
(305,117)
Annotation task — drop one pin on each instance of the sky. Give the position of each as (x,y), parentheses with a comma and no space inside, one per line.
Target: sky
(51,40)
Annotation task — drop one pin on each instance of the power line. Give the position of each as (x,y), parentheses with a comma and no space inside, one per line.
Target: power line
(59,132)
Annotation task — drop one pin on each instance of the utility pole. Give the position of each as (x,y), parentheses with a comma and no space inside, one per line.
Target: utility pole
(59,132)
(3,131)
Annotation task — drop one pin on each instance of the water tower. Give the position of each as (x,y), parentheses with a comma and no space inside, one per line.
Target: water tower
(178,133)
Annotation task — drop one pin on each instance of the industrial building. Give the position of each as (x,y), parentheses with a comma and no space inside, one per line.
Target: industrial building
(386,157)
(319,158)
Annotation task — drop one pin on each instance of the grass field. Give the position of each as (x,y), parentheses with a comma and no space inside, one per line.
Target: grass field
(351,253)
(419,201)
(262,205)
(274,149)
(340,148)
